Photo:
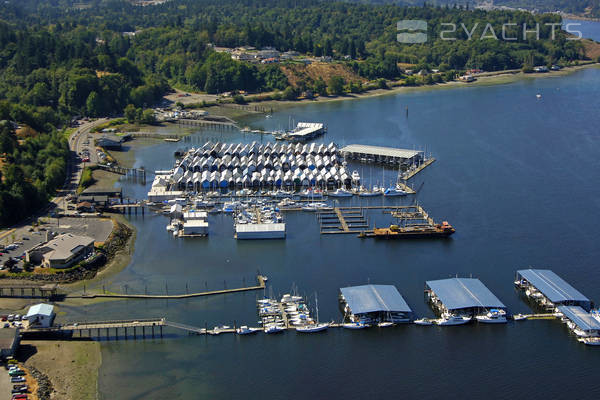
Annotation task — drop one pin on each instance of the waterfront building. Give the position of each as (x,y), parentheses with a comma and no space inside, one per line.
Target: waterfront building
(41,315)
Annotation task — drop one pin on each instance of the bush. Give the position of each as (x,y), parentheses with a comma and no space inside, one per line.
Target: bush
(239,99)
(87,179)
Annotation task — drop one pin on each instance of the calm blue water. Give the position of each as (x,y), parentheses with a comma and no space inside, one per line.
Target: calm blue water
(589,29)
(516,175)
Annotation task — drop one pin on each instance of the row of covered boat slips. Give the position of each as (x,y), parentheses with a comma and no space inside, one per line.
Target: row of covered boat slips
(460,300)
(221,150)
(369,304)
(549,290)
(582,323)
(384,155)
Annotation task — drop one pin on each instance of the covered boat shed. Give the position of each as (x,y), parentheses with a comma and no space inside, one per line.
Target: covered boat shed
(553,287)
(375,303)
(467,295)
(583,319)
(387,155)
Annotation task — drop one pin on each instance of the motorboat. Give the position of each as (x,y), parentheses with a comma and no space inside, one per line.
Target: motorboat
(450,320)
(385,324)
(340,193)
(355,325)
(590,341)
(312,194)
(369,193)
(274,328)
(312,328)
(519,317)
(494,316)
(580,333)
(423,322)
(355,177)
(244,330)
(315,207)
(392,191)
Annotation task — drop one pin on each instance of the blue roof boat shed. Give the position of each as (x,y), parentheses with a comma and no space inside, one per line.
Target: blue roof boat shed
(464,294)
(374,298)
(554,287)
(583,319)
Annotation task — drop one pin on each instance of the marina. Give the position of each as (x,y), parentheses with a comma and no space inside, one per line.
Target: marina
(548,290)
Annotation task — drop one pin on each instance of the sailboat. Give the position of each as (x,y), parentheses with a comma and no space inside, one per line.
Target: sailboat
(316,327)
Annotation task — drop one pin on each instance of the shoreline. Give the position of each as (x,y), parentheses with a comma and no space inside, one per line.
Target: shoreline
(487,79)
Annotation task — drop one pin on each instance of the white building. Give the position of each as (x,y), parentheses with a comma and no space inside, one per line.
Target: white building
(41,315)
(195,227)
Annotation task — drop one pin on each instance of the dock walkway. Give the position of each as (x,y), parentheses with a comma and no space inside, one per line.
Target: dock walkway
(261,285)
(420,168)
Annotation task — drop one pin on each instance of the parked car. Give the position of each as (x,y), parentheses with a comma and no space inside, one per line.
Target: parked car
(19,397)
(17,379)
(11,317)
(16,372)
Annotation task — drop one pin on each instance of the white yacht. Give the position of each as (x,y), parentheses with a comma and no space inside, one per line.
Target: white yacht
(394,191)
(450,320)
(274,328)
(423,321)
(519,317)
(492,317)
(385,324)
(315,207)
(244,330)
(356,325)
(340,193)
(311,328)
(590,341)
(355,177)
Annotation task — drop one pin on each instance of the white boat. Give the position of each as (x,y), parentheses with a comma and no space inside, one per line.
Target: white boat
(492,317)
(385,324)
(519,317)
(244,330)
(312,328)
(391,191)
(580,333)
(355,177)
(315,207)
(355,325)
(451,320)
(590,341)
(340,193)
(312,194)
(423,322)
(274,329)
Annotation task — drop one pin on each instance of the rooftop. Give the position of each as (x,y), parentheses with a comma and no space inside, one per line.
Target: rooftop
(275,227)
(552,286)
(380,151)
(41,309)
(374,298)
(458,293)
(583,319)
(64,246)
(195,223)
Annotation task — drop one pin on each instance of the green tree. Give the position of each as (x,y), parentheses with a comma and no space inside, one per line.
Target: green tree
(336,85)
(130,113)
(93,105)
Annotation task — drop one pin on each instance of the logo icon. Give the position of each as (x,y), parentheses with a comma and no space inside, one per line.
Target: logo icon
(413,31)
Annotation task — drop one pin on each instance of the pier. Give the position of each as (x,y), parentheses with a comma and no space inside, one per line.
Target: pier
(222,122)
(260,279)
(413,171)
(342,220)
(135,326)
(128,208)
(31,290)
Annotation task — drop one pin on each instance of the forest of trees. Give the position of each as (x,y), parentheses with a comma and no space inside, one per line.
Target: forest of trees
(61,58)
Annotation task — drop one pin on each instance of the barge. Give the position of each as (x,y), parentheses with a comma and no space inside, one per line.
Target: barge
(442,230)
